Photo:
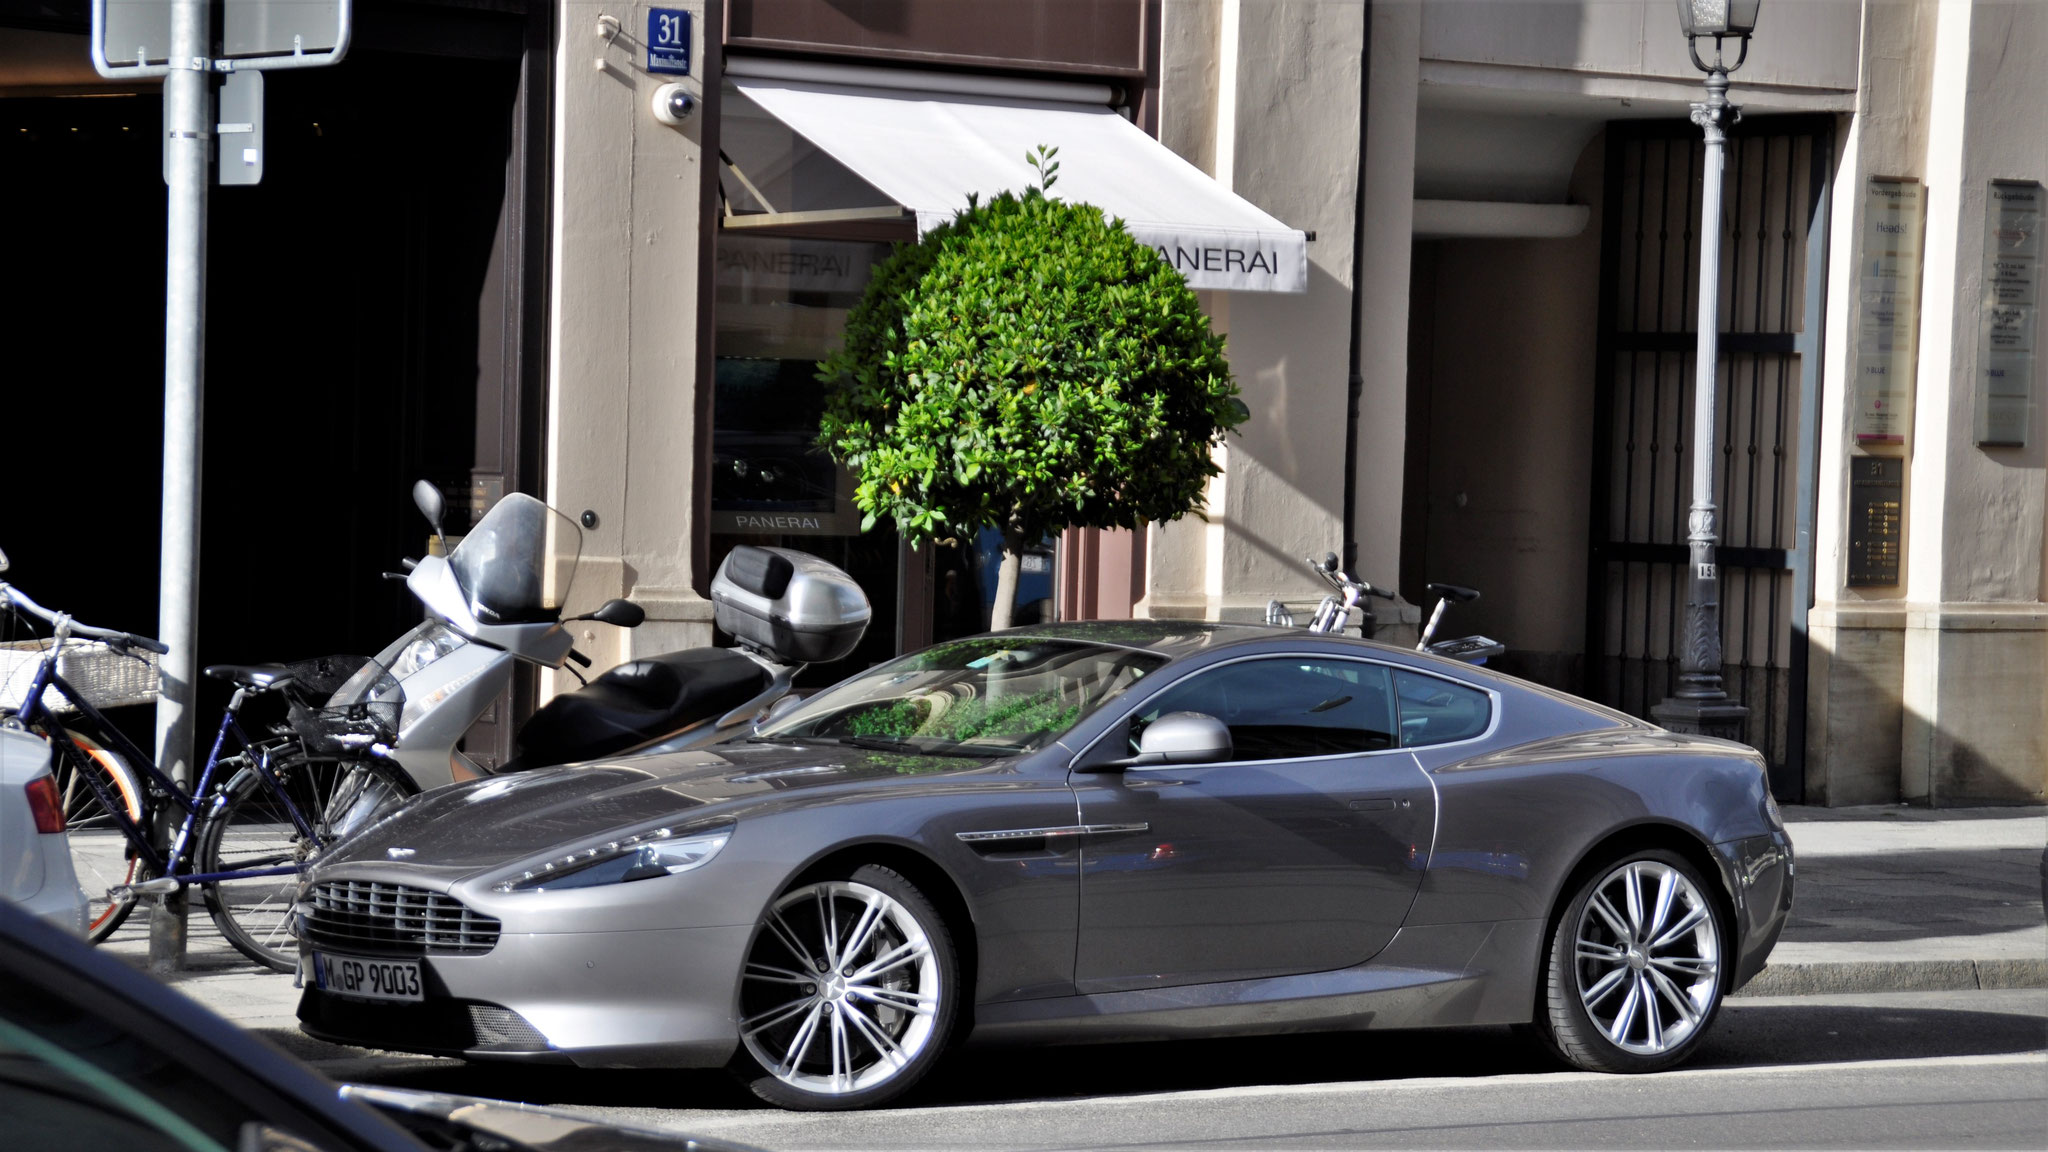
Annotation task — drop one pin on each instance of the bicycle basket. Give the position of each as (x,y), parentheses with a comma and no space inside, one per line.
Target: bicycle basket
(104,677)
(314,681)
(359,707)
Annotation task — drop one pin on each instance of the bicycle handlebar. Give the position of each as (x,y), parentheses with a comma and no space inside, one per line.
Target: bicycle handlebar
(19,599)
(1343,581)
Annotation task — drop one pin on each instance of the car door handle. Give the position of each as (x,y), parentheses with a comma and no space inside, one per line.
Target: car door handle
(1374,804)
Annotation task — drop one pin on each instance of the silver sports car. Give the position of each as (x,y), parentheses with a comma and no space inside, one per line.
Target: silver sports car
(1079,832)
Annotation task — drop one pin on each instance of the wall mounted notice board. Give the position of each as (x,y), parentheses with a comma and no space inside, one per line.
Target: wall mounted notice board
(2010,331)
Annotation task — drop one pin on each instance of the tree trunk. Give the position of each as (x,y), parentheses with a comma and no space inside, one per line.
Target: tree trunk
(1006,588)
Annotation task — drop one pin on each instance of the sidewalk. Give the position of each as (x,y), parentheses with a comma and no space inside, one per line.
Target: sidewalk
(1896,899)
(1887,899)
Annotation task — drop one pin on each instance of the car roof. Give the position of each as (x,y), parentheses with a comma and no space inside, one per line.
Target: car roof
(1171,638)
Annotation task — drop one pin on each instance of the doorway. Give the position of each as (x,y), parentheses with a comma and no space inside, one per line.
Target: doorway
(1772,291)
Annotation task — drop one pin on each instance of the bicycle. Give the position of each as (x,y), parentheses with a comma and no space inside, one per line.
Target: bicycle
(252,819)
(1333,614)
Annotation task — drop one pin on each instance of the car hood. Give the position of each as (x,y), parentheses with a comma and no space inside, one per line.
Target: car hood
(454,831)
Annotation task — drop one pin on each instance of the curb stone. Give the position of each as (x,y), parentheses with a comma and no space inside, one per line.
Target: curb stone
(1819,978)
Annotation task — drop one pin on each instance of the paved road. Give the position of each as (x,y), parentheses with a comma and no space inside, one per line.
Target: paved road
(1912,1070)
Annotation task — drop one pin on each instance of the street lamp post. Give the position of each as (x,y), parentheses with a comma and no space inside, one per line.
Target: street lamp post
(1700,704)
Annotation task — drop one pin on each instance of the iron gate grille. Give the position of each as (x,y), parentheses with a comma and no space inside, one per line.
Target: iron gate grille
(1772,272)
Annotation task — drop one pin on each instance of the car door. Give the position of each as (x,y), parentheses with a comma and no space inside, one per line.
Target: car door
(1301,853)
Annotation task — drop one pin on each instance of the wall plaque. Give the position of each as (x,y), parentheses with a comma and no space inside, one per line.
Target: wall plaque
(2010,330)
(1876,515)
(1888,301)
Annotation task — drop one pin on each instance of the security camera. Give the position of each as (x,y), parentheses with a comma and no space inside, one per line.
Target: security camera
(673,105)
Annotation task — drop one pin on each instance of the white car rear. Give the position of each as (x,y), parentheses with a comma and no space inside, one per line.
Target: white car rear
(35,854)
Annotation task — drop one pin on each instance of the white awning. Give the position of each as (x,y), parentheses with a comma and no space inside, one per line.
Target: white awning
(928,151)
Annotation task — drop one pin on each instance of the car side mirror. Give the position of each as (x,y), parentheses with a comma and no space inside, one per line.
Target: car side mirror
(623,613)
(778,710)
(1180,738)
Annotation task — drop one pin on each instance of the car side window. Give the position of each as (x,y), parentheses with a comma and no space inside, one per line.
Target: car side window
(1286,707)
(1437,711)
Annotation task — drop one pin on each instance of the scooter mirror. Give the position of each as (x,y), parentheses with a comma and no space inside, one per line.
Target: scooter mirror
(623,613)
(427,498)
(3,561)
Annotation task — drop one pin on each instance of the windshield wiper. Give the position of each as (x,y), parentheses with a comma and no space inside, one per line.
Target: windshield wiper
(884,744)
(871,743)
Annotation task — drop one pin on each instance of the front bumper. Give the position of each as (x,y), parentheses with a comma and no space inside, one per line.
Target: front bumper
(662,998)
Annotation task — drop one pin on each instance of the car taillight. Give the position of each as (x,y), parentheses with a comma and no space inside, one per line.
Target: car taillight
(44,802)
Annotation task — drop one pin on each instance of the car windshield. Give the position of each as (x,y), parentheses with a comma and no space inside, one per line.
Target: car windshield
(515,565)
(991,695)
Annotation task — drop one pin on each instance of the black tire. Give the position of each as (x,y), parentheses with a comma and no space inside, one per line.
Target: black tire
(891,999)
(1613,970)
(248,828)
(101,854)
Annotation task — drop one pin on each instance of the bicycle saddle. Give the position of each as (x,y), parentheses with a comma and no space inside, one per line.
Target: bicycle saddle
(1457,592)
(258,676)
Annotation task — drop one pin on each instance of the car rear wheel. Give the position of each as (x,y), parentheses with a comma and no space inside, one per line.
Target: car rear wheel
(849,994)
(1633,974)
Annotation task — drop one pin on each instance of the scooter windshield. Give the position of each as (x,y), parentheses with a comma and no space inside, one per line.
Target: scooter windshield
(515,565)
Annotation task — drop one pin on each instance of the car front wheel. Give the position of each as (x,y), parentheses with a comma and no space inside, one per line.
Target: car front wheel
(1633,974)
(849,994)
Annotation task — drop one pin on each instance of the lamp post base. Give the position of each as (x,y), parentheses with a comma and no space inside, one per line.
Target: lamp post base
(1723,718)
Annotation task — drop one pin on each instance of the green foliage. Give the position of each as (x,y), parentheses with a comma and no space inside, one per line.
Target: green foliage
(1028,366)
(1025,714)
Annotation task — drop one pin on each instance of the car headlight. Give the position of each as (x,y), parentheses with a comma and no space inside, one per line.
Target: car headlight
(642,857)
(433,642)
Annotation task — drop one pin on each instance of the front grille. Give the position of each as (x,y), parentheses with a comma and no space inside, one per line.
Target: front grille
(367,918)
(498,1029)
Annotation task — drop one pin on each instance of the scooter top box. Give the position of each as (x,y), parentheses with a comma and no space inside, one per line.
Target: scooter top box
(791,605)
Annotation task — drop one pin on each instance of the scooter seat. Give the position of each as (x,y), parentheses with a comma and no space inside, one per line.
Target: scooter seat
(636,703)
(258,676)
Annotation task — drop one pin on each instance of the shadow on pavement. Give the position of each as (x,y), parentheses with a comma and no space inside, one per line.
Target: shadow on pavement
(1746,1035)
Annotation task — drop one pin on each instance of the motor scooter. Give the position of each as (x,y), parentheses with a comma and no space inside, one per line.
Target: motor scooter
(495,599)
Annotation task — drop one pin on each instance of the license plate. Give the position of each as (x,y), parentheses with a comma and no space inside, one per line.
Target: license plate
(368,979)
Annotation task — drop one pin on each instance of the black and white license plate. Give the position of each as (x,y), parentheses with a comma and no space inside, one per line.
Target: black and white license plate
(368,979)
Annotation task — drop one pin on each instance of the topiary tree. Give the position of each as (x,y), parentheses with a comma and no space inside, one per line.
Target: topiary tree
(1029,367)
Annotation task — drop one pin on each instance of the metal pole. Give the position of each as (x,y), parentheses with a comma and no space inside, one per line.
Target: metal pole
(1700,668)
(1700,705)
(188,126)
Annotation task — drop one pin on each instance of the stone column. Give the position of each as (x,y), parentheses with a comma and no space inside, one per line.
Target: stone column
(630,320)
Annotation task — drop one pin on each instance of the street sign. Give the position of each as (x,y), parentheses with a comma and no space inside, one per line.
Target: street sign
(668,41)
(132,38)
(240,129)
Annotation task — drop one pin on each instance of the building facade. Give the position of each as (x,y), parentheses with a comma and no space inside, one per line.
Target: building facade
(1482,375)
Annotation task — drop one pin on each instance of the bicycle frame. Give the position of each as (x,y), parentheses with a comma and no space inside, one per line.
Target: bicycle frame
(165,868)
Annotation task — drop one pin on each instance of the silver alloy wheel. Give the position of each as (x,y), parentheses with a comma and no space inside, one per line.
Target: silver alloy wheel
(1646,957)
(841,990)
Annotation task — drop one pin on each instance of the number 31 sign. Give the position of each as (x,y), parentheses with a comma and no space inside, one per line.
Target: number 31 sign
(668,41)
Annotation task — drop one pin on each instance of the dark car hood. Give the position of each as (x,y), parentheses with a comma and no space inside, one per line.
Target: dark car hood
(456,830)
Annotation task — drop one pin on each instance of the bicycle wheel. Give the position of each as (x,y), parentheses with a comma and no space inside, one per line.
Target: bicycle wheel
(248,828)
(100,853)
